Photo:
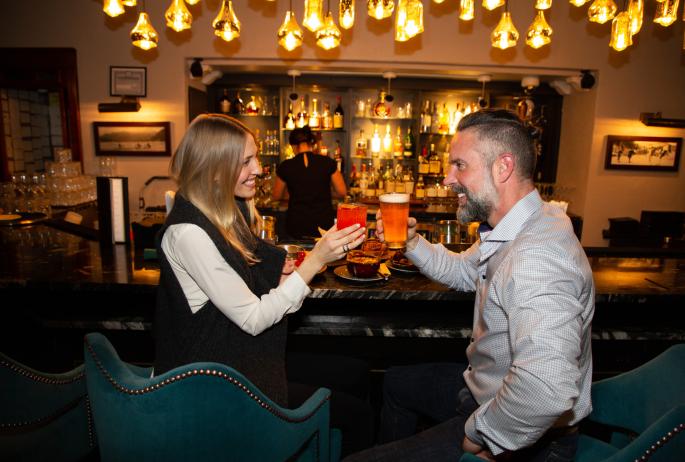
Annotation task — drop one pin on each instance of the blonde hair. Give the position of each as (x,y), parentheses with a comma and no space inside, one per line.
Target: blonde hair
(206,166)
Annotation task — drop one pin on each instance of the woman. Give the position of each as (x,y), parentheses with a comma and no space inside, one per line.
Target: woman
(308,179)
(223,293)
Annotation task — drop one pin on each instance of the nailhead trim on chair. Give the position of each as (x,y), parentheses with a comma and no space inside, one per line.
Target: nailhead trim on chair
(42,421)
(40,378)
(91,427)
(211,372)
(660,442)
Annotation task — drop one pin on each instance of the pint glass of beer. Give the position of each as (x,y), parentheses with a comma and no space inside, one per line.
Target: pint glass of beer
(395,213)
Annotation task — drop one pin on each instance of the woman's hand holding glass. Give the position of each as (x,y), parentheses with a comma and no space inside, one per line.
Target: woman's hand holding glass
(332,246)
(412,239)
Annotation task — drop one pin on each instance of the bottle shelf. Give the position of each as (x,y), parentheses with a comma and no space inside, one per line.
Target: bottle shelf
(384,118)
(435,133)
(250,116)
(338,130)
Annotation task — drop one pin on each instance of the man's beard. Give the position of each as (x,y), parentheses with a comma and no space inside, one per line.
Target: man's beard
(478,206)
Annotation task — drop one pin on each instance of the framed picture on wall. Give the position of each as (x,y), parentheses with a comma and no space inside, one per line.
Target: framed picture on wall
(653,153)
(132,138)
(127,81)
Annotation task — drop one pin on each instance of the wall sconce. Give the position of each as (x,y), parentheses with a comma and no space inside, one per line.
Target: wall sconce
(654,119)
(127,104)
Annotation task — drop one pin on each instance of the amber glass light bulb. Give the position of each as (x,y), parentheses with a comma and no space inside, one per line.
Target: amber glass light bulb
(346,14)
(636,12)
(129,2)
(621,38)
(177,16)
(492,4)
(602,11)
(408,19)
(466,10)
(313,15)
(380,9)
(578,2)
(192,2)
(505,34)
(438,2)
(290,33)
(143,35)
(328,37)
(113,8)
(666,12)
(539,33)
(543,4)
(226,24)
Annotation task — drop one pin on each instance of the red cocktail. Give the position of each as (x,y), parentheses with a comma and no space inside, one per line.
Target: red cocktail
(349,214)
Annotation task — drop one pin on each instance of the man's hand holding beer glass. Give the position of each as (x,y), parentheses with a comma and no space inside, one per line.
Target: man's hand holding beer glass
(391,206)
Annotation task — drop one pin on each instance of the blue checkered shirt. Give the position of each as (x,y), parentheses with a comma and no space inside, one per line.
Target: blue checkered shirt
(530,357)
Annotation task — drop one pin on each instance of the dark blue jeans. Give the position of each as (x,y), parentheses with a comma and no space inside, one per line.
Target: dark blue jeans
(438,392)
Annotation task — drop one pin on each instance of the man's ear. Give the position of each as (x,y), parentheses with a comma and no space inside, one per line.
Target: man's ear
(503,168)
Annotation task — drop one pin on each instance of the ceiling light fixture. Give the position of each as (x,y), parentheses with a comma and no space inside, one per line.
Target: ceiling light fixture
(346,13)
(290,33)
(226,25)
(505,34)
(113,8)
(177,16)
(143,35)
(466,10)
(328,37)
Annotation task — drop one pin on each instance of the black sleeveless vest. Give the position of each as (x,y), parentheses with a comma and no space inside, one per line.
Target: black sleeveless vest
(182,337)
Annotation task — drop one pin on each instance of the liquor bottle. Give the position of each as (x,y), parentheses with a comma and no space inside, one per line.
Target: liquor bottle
(364,180)
(381,108)
(420,188)
(362,145)
(339,159)
(302,116)
(314,116)
(375,142)
(435,118)
(339,115)
(289,123)
(444,120)
(408,144)
(323,149)
(434,162)
(326,117)
(251,107)
(387,143)
(398,145)
(389,179)
(423,161)
(259,142)
(237,107)
(225,103)
(426,117)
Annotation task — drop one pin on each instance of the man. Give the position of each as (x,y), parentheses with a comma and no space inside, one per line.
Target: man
(528,380)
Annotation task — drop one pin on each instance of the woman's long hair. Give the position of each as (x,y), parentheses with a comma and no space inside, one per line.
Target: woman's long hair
(206,166)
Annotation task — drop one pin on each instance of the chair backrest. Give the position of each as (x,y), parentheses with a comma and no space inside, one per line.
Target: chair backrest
(195,412)
(43,416)
(642,411)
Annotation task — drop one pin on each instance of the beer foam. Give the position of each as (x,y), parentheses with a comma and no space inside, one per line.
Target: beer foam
(394,198)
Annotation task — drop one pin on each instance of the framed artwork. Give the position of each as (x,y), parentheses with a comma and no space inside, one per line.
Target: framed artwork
(643,153)
(127,81)
(132,138)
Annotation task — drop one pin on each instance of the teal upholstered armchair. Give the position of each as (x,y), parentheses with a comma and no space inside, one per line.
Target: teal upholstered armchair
(201,411)
(43,416)
(638,415)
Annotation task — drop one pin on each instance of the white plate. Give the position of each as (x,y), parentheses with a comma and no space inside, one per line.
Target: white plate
(342,272)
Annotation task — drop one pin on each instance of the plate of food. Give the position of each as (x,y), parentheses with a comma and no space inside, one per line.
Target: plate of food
(400,263)
(342,272)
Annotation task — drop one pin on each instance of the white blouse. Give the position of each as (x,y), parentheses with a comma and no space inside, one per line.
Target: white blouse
(204,275)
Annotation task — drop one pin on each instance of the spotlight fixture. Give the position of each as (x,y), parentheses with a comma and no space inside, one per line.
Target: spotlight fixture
(389,75)
(293,73)
(587,80)
(482,99)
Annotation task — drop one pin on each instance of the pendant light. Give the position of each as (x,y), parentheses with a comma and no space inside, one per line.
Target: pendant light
(621,38)
(636,12)
(346,14)
(177,16)
(226,24)
(602,11)
(505,34)
(113,8)
(408,19)
(539,33)
(578,2)
(128,2)
(543,4)
(192,2)
(290,34)
(492,4)
(313,15)
(143,35)
(380,9)
(466,10)
(438,2)
(666,12)
(328,37)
